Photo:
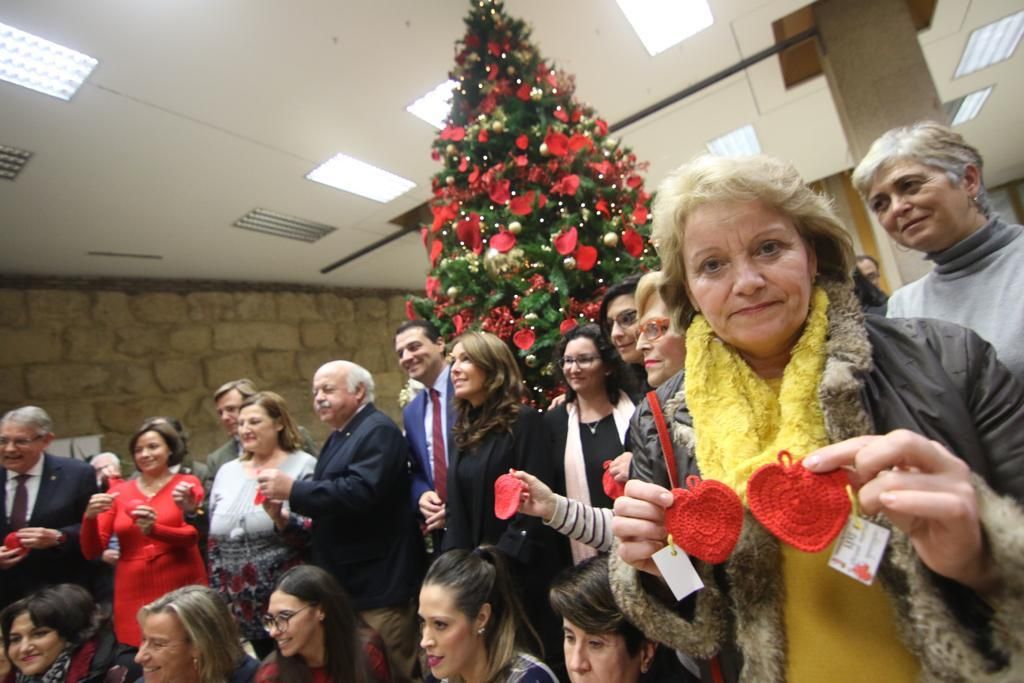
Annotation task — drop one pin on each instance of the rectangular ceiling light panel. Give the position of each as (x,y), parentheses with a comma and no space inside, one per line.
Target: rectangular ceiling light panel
(741,142)
(991,44)
(664,23)
(12,160)
(351,175)
(280,225)
(43,66)
(435,105)
(971,106)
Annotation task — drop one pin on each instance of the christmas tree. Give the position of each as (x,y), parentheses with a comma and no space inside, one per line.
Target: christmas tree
(536,209)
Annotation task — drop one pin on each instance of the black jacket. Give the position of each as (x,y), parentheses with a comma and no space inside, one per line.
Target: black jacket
(364,531)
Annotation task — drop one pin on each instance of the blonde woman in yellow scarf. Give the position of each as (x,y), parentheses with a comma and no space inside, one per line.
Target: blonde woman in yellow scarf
(927,423)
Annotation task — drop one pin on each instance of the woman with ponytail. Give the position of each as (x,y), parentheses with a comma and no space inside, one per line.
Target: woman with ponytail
(473,626)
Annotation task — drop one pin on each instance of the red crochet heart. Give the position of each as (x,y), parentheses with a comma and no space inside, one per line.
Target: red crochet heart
(612,488)
(705,519)
(507,490)
(801,508)
(12,542)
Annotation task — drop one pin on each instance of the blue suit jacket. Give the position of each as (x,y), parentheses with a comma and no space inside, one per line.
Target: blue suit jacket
(64,492)
(412,420)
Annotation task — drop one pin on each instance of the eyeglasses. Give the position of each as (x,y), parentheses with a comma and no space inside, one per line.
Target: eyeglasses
(625,319)
(18,443)
(280,622)
(582,362)
(654,329)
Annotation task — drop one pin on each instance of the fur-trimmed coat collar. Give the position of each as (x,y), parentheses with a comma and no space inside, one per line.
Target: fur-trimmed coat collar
(747,616)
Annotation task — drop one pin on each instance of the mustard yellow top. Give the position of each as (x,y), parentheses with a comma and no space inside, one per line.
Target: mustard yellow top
(839,630)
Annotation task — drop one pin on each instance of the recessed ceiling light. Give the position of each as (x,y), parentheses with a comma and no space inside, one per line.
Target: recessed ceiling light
(351,175)
(741,142)
(12,160)
(435,105)
(40,65)
(663,23)
(991,44)
(970,106)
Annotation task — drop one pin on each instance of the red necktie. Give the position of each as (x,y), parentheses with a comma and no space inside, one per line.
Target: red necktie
(438,455)
(19,511)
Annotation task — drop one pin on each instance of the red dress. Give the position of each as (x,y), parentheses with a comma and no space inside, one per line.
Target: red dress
(149,565)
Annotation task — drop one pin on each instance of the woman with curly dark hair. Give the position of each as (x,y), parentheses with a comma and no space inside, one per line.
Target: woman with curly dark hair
(588,432)
(59,635)
(496,432)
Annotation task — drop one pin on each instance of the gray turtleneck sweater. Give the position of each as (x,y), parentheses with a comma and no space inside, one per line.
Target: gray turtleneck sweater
(977,283)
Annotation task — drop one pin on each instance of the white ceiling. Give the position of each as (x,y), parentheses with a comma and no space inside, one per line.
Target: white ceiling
(200,111)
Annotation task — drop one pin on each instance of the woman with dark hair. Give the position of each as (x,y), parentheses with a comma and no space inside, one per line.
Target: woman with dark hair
(159,550)
(254,540)
(496,432)
(617,318)
(600,644)
(188,636)
(59,635)
(320,638)
(588,432)
(473,625)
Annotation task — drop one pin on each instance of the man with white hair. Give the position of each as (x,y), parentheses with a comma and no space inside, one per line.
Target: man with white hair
(364,531)
(44,497)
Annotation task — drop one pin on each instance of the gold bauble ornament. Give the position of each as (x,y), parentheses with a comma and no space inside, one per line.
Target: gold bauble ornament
(610,239)
(516,254)
(515,227)
(544,151)
(496,263)
(548,370)
(531,361)
(610,143)
(498,127)
(585,213)
(531,318)
(481,117)
(453,291)
(450,180)
(451,150)
(569,262)
(511,71)
(536,94)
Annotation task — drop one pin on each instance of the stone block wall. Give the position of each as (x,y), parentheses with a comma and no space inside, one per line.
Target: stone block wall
(100,356)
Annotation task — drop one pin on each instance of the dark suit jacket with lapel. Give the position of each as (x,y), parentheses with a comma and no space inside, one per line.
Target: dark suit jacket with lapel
(364,531)
(415,433)
(64,492)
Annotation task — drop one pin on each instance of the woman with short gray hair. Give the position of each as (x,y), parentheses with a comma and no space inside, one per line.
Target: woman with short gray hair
(924,185)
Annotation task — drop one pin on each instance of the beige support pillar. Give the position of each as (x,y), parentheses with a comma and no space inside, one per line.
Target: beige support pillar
(879,80)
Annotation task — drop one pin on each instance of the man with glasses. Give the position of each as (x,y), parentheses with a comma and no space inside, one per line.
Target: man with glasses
(44,497)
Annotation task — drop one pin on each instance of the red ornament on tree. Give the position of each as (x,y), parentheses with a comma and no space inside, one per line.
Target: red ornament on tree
(524,339)
(565,243)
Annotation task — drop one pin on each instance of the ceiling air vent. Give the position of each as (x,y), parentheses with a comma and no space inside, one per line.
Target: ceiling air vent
(12,160)
(271,223)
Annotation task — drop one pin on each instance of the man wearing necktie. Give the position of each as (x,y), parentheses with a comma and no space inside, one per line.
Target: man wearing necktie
(44,497)
(428,421)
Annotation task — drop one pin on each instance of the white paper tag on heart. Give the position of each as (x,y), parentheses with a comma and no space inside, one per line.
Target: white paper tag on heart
(859,549)
(678,571)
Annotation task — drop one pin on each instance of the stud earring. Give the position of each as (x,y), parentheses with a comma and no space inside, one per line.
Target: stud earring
(480,631)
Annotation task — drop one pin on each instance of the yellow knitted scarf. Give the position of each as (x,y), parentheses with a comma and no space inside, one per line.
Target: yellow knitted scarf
(739,422)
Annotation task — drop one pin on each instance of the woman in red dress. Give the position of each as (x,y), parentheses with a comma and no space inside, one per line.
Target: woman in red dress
(159,549)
